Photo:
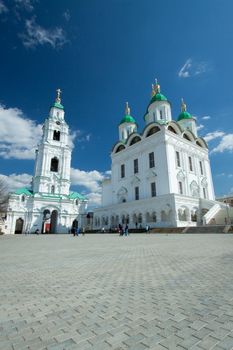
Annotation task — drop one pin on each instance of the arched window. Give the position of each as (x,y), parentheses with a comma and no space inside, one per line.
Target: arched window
(56,135)
(170,128)
(135,140)
(23,199)
(54,165)
(185,136)
(120,148)
(153,131)
(52,189)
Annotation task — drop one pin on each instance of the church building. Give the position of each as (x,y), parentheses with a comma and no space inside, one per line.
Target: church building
(48,206)
(160,176)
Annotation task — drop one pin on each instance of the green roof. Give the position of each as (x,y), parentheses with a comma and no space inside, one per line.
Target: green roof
(158,97)
(23,190)
(76,195)
(184,115)
(128,119)
(58,105)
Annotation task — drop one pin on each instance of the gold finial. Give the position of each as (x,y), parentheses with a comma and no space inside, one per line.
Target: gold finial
(157,87)
(127,109)
(183,105)
(153,90)
(58,98)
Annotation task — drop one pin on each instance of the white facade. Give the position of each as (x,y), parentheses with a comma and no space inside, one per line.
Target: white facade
(161,176)
(48,206)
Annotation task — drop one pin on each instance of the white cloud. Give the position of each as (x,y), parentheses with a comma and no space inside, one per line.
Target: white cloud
(206,117)
(3,8)
(89,179)
(36,35)
(25,4)
(213,135)
(67,15)
(191,68)
(226,144)
(94,199)
(184,71)
(18,135)
(199,127)
(16,181)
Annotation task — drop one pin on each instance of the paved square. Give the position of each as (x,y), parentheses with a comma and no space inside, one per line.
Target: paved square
(110,292)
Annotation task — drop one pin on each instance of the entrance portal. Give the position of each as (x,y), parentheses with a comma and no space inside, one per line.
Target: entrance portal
(53,224)
(46,222)
(19,226)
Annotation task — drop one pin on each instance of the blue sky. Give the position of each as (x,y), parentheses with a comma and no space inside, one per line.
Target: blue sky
(101,54)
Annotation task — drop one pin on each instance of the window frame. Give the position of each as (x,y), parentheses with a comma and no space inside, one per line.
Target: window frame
(153,189)
(180,187)
(190,163)
(135,166)
(151,160)
(178,162)
(122,171)
(136,193)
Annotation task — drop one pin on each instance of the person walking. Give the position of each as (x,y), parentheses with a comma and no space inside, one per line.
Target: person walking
(126,230)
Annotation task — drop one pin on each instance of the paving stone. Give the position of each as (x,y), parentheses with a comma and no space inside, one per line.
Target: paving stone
(101,292)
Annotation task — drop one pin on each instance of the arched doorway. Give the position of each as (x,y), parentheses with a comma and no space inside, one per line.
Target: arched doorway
(53,223)
(19,226)
(46,221)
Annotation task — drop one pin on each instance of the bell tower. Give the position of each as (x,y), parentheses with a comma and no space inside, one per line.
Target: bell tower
(53,156)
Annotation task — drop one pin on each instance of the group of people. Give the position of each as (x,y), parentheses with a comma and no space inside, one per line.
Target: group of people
(76,231)
(123,231)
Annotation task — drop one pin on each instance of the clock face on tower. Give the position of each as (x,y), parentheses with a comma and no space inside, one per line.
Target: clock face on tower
(58,123)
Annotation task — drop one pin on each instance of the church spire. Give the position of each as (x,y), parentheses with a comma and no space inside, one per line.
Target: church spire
(58,98)
(183,105)
(153,90)
(157,87)
(127,109)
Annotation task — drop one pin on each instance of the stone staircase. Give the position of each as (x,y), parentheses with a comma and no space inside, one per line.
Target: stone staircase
(208,229)
(194,229)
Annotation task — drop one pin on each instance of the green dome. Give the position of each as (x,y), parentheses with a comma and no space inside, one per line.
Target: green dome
(128,119)
(184,115)
(158,97)
(58,105)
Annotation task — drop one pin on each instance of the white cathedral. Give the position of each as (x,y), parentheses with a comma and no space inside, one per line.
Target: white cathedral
(48,206)
(161,176)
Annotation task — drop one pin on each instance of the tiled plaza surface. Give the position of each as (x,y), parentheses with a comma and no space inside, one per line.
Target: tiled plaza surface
(109,292)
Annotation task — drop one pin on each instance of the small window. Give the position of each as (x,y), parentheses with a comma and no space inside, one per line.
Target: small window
(54,165)
(136,193)
(178,159)
(56,135)
(153,189)
(204,192)
(180,187)
(23,199)
(161,114)
(57,114)
(122,170)
(151,160)
(190,164)
(201,168)
(52,189)
(135,164)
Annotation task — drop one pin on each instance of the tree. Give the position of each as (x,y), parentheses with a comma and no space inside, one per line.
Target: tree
(4,194)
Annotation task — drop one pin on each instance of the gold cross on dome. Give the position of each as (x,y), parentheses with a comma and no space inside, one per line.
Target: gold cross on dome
(58,98)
